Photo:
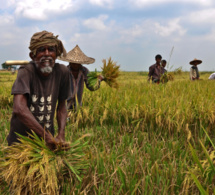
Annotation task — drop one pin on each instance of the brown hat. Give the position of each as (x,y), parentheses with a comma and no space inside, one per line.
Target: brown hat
(46,38)
(77,56)
(195,61)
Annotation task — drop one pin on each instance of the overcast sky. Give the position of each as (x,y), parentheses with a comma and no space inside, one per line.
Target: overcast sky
(132,32)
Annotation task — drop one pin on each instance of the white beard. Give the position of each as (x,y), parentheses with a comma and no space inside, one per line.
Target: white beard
(47,69)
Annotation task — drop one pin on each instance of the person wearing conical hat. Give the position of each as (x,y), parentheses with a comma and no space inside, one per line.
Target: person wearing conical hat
(78,74)
(194,72)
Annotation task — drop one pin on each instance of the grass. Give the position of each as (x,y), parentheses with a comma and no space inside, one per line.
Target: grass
(140,133)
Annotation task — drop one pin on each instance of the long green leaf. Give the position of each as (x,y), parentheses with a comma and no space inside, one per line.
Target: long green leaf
(201,189)
(208,156)
(195,157)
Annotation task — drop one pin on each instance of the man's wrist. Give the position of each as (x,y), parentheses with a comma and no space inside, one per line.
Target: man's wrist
(61,133)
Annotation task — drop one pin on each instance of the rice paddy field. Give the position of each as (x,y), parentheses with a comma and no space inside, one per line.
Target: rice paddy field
(145,138)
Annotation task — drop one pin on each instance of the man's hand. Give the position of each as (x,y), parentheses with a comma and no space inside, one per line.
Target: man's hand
(61,141)
(60,138)
(100,77)
(50,141)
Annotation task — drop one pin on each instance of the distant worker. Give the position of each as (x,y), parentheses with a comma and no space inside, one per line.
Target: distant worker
(194,72)
(212,76)
(163,64)
(78,75)
(155,70)
(12,70)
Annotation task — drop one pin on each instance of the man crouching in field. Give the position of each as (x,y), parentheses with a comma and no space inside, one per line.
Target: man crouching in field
(38,87)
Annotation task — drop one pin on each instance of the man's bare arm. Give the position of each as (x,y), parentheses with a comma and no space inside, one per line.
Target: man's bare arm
(22,111)
(61,119)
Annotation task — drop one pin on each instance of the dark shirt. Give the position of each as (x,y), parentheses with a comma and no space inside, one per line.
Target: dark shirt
(42,95)
(77,87)
(155,72)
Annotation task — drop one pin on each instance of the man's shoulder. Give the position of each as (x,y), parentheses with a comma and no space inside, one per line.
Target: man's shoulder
(85,68)
(194,67)
(29,67)
(61,67)
(152,66)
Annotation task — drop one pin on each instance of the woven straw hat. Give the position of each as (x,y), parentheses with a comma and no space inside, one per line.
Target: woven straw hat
(77,56)
(195,61)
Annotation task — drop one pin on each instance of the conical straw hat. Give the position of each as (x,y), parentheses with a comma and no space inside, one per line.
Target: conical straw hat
(195,60)
(77,56)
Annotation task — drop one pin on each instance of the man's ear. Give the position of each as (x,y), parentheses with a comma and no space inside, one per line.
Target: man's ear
(31,55)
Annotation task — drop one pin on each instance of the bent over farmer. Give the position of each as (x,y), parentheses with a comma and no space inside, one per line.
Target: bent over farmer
(78,73)
(40,87)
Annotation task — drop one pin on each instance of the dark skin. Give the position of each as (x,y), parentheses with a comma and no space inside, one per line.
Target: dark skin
(158,61)
(22,111)
(75,70)
(164,64)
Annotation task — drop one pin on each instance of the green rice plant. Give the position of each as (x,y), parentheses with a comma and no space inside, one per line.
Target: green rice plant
(202,174)
(178,71)
(140,135)
(30,167)
(110,72)
(92,79)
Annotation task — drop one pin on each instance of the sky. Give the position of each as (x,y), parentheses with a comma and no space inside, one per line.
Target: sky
(131,32)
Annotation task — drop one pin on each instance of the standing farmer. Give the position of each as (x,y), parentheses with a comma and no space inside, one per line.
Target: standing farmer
(78,73)
(38,87)
(194,72)
(163,64)
(156,70)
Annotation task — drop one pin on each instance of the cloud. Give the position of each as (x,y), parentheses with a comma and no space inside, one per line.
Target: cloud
(206,16)
(172,27)
(96,23)
(41,9)
(129,35)
(141,3)
(102,3)
(6,20)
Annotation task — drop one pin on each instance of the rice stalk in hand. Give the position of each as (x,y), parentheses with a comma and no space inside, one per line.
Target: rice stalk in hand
(110,72)
(167,76)
(92,79)
(30,167)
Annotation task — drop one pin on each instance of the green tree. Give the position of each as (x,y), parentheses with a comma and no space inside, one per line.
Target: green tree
(4,66)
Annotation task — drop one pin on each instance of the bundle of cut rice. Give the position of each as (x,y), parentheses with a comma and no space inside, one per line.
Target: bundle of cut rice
(167,76)
(30,167)
(110,72)
(93,80)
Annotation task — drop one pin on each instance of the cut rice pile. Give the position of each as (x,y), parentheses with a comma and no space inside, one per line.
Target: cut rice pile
(168,76)
(30,167)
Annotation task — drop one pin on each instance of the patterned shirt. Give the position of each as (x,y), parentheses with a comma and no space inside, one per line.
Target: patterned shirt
(42,95)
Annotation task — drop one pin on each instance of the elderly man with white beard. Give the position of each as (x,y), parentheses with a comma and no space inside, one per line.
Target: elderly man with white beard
(40,87)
